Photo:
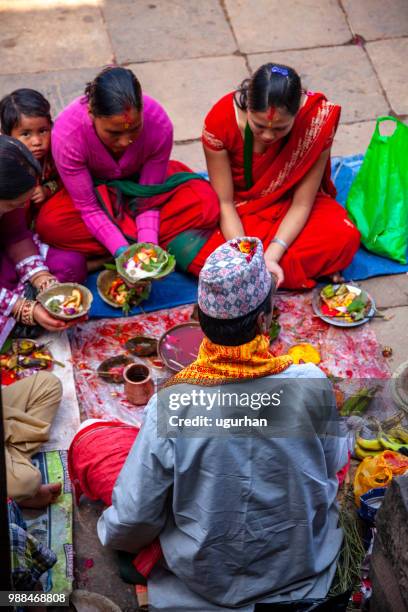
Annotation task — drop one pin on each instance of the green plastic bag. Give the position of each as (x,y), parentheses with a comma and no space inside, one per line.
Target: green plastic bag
(378,198)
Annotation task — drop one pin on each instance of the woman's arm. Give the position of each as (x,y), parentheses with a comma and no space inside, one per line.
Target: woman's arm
(154,172)
(219,171)
(17,242)
(39,314)
(77,179)
(299,211)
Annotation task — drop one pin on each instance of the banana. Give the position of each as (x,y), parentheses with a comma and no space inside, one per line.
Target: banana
(391,443)
(361,454)
(399,433)
(369,444)
(74,300)
(392,421)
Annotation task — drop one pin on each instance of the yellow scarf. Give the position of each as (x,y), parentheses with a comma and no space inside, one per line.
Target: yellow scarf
(217,364)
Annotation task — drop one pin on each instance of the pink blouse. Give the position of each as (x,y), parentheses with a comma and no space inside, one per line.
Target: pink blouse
(81,157)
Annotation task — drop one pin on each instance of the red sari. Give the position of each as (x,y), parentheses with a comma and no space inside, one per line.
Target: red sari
(193,206)
(329,240)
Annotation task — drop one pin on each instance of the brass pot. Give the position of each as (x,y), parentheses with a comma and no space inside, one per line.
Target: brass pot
(139,385)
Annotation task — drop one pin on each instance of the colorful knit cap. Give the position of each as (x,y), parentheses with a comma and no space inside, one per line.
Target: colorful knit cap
(234,279)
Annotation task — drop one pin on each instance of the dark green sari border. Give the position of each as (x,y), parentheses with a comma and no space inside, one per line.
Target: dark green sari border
(186,245)
(132,189)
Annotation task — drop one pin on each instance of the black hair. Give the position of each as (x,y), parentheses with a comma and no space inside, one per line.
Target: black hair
(273,85)
(233,332)
(27,102)
(113,91)
(18,168)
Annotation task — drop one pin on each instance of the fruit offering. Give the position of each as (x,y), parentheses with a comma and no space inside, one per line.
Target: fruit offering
(24,358)
(125,296)
(147,259)
(345,301)
(144,260)
(66,301)
(377,436)
(69,305)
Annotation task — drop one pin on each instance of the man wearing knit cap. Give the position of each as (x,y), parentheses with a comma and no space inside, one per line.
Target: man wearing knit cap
(234,468)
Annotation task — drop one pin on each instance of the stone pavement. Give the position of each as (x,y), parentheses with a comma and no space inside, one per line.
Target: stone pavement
(188,53)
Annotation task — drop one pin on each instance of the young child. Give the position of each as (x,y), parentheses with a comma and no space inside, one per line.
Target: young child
(25,115)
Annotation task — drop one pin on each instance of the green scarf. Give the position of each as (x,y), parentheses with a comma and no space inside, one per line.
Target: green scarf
(248,154)
(132,189)
(186,245)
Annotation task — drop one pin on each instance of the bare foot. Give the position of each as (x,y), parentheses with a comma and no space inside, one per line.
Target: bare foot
(47,494)
(337,278)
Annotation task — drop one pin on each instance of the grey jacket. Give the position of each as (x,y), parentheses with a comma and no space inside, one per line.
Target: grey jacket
(242,517)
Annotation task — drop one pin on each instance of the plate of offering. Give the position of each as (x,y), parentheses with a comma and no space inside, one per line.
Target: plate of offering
(111,370)
(178,346)
(25,358)
(142,346)
(115,292)
(343,305)
(66,301)
(144,261)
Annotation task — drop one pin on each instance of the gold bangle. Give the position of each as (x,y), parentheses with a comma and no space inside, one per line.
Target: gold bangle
(17,314)
(49,282)
(27,312)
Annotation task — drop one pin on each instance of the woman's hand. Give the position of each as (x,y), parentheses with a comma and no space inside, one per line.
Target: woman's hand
(230,223)
(219,171)
(48,322)
(43,280)
(40,194)
(274,268)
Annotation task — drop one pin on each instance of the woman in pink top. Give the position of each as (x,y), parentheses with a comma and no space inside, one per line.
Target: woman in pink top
(116,132)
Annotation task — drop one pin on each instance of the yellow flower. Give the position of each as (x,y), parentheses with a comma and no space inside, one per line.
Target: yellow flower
(304,353)
(245,246)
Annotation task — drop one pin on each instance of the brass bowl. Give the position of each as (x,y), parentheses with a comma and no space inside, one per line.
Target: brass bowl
(23,346)
(121,361)
(142,346)
(104,281)
(168,265)
(184,347)
(64,290)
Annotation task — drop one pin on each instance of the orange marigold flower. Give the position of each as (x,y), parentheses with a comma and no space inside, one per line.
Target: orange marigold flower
(245,246)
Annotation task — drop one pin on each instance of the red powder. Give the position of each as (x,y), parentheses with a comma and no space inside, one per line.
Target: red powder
(271,113)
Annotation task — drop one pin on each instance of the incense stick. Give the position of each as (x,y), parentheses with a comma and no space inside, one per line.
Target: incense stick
(177,363)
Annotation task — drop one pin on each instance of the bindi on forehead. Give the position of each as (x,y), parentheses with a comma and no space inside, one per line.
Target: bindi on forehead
(127,118)
(270,115)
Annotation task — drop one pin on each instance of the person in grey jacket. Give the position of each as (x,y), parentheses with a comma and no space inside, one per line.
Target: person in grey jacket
(234,468)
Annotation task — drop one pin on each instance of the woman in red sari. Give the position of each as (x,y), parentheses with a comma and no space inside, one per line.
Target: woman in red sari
(267,147)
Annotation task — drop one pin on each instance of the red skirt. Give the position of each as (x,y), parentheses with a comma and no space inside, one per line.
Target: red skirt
(95,458)
(193,205)
(325,245)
